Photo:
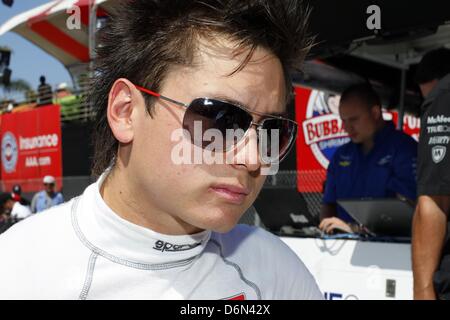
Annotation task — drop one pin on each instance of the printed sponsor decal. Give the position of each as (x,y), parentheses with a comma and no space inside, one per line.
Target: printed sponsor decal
(170,247)
(9,152)
(321,133)
(438,153)
(385,160)
(339,296)
(323,129)
(31,148)
(237,297)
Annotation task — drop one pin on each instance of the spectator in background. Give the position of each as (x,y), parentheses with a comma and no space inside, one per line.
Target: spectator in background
(45,96)
(62,91)
(378,162)
(10,107)
(6,106)
(69,102)
(5,214)
(14,208)
(16,194)
(46,198)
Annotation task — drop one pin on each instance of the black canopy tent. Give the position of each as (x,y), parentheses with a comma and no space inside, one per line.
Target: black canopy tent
(337,24)
(348,51)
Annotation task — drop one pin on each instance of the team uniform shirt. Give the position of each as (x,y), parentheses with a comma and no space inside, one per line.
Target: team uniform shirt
(42,201)
(387,170)
(434,165)
(83,250)
(434,145)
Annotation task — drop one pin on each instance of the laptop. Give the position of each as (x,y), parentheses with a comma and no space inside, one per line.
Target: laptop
(382,217)
(284,209)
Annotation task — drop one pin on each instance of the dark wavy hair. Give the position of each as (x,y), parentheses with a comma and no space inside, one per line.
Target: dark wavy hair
(143,39)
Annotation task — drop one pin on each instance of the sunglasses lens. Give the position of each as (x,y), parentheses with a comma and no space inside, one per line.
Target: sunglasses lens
(277,138)
(217,117)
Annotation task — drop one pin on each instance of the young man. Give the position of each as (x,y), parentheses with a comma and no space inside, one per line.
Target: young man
(152,227)
(378,162)
(431,242)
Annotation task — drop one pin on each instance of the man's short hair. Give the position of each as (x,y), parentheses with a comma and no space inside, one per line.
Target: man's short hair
(143,39)
(4,198)
(434,65)
(364,93)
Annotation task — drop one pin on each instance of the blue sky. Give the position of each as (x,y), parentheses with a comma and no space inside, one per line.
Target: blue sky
(29,62)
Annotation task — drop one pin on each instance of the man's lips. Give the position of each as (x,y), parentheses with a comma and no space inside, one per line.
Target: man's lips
(233,193)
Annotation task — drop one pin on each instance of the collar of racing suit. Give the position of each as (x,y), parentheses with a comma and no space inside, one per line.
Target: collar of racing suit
(106,232)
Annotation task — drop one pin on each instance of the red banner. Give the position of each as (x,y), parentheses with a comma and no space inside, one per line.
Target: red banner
(31,148)
(311,162)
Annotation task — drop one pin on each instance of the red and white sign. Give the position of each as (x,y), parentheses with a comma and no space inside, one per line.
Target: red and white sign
(31,148)
(321,133)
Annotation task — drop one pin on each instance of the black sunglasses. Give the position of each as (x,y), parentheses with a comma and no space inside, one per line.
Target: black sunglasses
(223,116)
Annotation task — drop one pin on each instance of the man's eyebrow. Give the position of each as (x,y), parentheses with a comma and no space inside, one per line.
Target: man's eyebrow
(349,118)
(240,104)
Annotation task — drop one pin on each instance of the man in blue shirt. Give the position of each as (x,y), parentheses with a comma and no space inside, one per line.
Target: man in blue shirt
(46,198)
(378,162)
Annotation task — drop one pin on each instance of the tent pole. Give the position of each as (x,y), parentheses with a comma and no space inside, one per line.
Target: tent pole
(92,43)
(401,113)
(92,28)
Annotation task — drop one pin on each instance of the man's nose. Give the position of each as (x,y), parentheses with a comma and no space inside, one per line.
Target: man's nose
(246,153)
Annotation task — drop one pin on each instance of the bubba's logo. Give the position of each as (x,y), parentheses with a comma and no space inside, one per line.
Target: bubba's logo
(323,129)
(10,152)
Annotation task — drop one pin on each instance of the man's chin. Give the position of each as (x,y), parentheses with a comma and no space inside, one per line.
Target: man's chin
(222,225)
(224,228)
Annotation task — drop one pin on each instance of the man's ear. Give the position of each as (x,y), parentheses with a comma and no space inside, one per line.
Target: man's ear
(377,113)
(120,109)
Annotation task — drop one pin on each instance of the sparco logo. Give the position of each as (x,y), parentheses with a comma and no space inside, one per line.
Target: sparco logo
(166,246)
(9,152)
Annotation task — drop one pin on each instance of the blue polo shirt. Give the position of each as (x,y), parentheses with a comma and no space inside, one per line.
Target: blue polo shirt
(42,201)
(388,169)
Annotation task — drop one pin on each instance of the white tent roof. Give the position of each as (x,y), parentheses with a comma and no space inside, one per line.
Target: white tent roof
(46,26)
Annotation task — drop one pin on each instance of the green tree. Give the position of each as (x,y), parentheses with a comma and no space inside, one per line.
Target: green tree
(16,86)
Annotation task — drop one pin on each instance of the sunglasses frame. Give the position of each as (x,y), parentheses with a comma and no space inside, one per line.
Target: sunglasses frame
(258,125)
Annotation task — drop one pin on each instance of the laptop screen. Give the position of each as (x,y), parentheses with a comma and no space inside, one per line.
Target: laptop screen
(281,207)
(383,217)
